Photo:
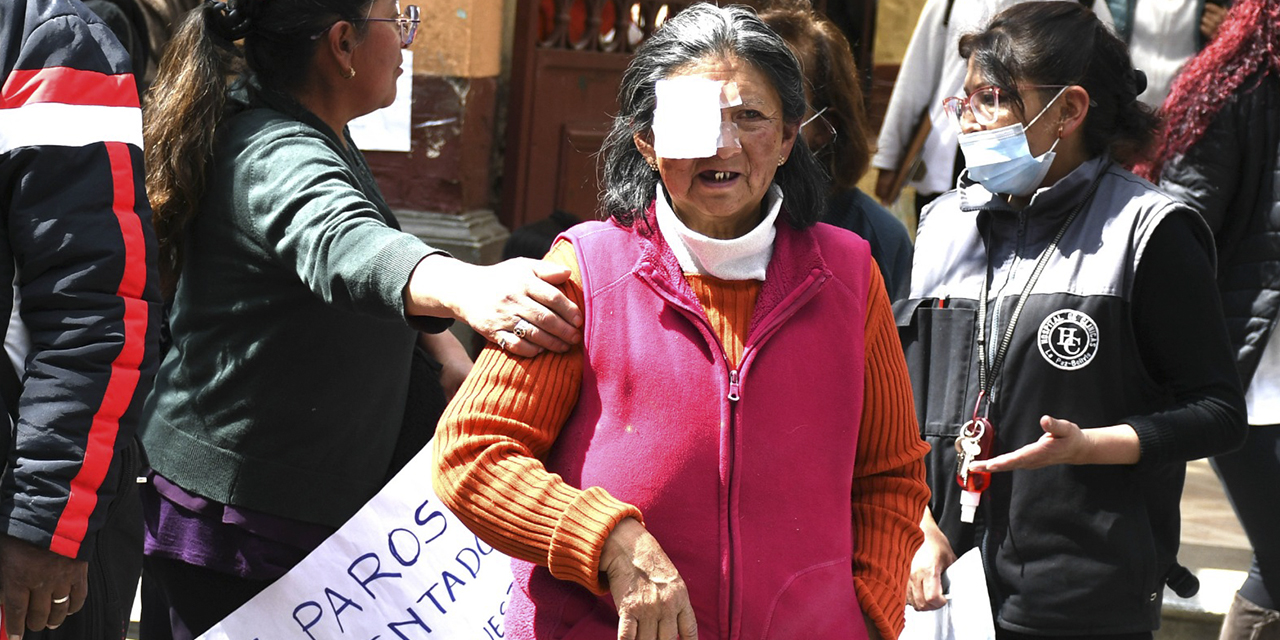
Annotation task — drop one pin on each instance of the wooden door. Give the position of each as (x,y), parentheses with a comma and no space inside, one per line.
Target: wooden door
(567,62)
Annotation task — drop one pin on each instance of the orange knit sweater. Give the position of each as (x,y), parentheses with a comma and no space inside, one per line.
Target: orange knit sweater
(510,410)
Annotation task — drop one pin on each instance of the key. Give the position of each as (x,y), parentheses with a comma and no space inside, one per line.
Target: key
(968,446)
(969,450)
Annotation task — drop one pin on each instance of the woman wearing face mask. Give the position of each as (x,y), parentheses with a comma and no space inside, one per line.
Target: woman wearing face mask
(1047,337)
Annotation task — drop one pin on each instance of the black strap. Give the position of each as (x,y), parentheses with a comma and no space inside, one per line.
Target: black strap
(1182,581)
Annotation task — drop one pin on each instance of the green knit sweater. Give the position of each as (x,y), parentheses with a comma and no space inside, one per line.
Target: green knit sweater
(285,386)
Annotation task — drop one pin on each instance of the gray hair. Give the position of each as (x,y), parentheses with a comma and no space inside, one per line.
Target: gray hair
(696,33)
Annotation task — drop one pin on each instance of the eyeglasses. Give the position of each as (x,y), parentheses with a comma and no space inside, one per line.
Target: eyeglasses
(983,103)
(407,22)
(821,121)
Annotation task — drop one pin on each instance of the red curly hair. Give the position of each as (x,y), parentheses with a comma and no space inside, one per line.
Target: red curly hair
(1246,48)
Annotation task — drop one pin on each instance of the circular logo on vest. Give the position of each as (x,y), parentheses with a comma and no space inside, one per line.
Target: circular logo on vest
(1068,339)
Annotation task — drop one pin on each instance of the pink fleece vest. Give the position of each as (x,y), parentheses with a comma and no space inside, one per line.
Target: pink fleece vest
(743,476)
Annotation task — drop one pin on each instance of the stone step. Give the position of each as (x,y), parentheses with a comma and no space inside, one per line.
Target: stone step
(1200,616)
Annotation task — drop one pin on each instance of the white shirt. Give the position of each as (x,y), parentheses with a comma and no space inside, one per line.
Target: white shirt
(932,71)
(1262,394)
(1163,39)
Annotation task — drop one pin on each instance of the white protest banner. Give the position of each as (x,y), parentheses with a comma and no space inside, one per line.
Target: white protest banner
(402,568)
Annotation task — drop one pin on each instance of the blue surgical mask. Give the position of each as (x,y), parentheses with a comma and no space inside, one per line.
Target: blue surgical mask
(1001,161)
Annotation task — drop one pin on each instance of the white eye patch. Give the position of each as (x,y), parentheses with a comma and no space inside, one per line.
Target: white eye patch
(686,120)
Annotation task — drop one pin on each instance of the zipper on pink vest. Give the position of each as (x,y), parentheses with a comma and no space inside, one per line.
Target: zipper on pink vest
(734,388)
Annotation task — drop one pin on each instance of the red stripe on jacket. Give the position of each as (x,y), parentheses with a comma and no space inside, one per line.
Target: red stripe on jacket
(65,85)
(100,447)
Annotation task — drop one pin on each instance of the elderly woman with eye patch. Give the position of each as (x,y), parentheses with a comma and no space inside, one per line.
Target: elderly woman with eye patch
(731,451)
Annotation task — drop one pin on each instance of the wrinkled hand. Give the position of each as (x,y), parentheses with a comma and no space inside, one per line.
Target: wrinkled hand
(493,299)
(1063,442)
(31,578)
(924,587)
(1212,19)
(884,186)
(653,603)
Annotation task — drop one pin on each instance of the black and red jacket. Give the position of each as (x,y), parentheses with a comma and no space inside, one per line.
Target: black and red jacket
(82,321)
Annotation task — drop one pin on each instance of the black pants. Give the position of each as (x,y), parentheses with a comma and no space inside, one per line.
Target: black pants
(184,610)
(1002,634)
(114,566)
(1250,477)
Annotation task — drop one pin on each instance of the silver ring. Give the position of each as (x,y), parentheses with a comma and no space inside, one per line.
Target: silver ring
(61,600)
(502,342)
(522,328)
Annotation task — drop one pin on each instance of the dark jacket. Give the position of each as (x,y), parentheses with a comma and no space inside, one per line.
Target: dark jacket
(82,317)
(1230,177)
(1070,549)
(285,388)
(888,237)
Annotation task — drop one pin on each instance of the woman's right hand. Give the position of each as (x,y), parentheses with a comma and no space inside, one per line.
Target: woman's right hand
(884,187)
(1211,20)
(653,603)
(924,587)
(494,300)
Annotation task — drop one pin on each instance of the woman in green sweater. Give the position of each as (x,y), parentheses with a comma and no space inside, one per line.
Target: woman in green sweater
(296,299)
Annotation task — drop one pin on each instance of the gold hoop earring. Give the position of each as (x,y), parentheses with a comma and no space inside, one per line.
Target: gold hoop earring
(351,73)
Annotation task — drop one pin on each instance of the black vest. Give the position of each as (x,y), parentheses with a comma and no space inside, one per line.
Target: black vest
(1067,548)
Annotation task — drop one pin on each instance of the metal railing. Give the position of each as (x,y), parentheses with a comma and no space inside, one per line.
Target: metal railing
(609,26)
